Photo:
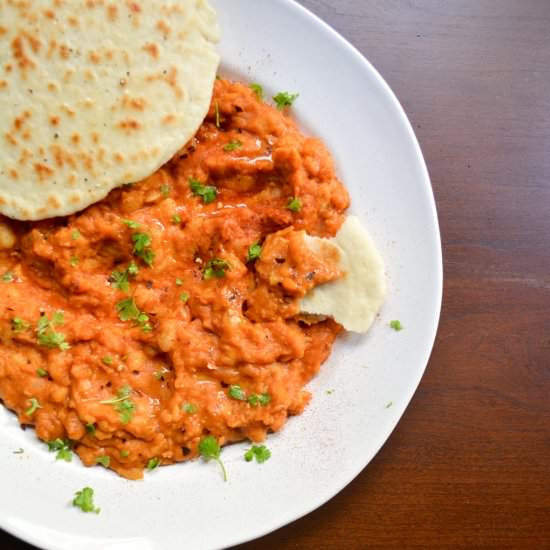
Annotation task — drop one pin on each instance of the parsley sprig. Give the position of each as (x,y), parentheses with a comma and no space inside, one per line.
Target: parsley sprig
(122,403)
(259,452)
(63,447)
(257,89)
(284,99)
(142,247)
(396,325)
(294,204)
(128,311)
(47,336)
(33,407)
(254,252)
(209,449)
(233,145)
(19,325)
(84,500)
(208,193)
(121,279)
(254,399)
(216,267)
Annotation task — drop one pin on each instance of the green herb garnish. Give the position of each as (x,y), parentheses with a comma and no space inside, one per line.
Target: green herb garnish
(184,296)
(209,449)
(123,404)
(104,460)
(8,277)
(189,408)
(34,405)
(165,190)
(41,372)
(75,235)
(90,428)
(233,145)
(262,399)
(254,252)
(74,261)
(259,452)
(208,193)
(236,392)
(142,247)
(63,448)
(257,89)
(18,325)
(216,267)
(131,224)
(45,334)
(294,204)
(396,325)
(179,281)
(121,279)
(124,453)
(153,463)
(284,99)
(85,500)
(176,219)
(128,311)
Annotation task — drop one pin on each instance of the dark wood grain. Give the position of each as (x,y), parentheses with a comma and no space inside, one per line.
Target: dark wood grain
(469,464)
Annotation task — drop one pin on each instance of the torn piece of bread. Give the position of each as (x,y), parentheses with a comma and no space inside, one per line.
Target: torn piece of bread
(354,299)
(95,94)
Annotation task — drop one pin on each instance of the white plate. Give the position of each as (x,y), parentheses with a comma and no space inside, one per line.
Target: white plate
(345,102)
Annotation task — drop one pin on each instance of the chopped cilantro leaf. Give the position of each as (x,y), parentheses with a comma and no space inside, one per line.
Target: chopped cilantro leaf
(208,193)
(294,204)
(259,452)
(257,89)
(233,145)
(19,451)
(41,372)
(153,463)
(179,281)
(74,261)
(121,279)
(85,500)
(18,325)
(236,392)
(128,311)
(107,360)
(189,408)
(45,334)
(165,190)
(142,247)
(75,235)
(8,277)
(262,399)
(124,453)
(396,325)
(131,224)
(123,404)
(63,448)
(34,406)
(216,267)
(184,296)
(284,99)
(176,219)
(254,252)
(210,449)
(389,404)
(104,460)
(90,428)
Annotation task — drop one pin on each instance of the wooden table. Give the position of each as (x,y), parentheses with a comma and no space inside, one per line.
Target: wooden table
(469,464)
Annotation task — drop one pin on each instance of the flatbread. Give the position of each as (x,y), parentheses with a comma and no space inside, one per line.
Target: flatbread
(353,300)
(95,94)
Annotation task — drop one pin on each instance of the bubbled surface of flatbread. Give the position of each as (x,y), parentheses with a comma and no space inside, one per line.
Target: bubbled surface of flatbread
(355,298)
(95,94)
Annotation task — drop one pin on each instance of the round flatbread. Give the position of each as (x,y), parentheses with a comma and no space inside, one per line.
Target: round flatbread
(95,94)
(354,299)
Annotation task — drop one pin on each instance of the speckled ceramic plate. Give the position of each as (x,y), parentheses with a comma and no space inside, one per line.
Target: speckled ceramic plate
(362,389)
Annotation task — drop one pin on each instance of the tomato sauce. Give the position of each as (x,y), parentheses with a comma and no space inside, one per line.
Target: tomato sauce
(169,310)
